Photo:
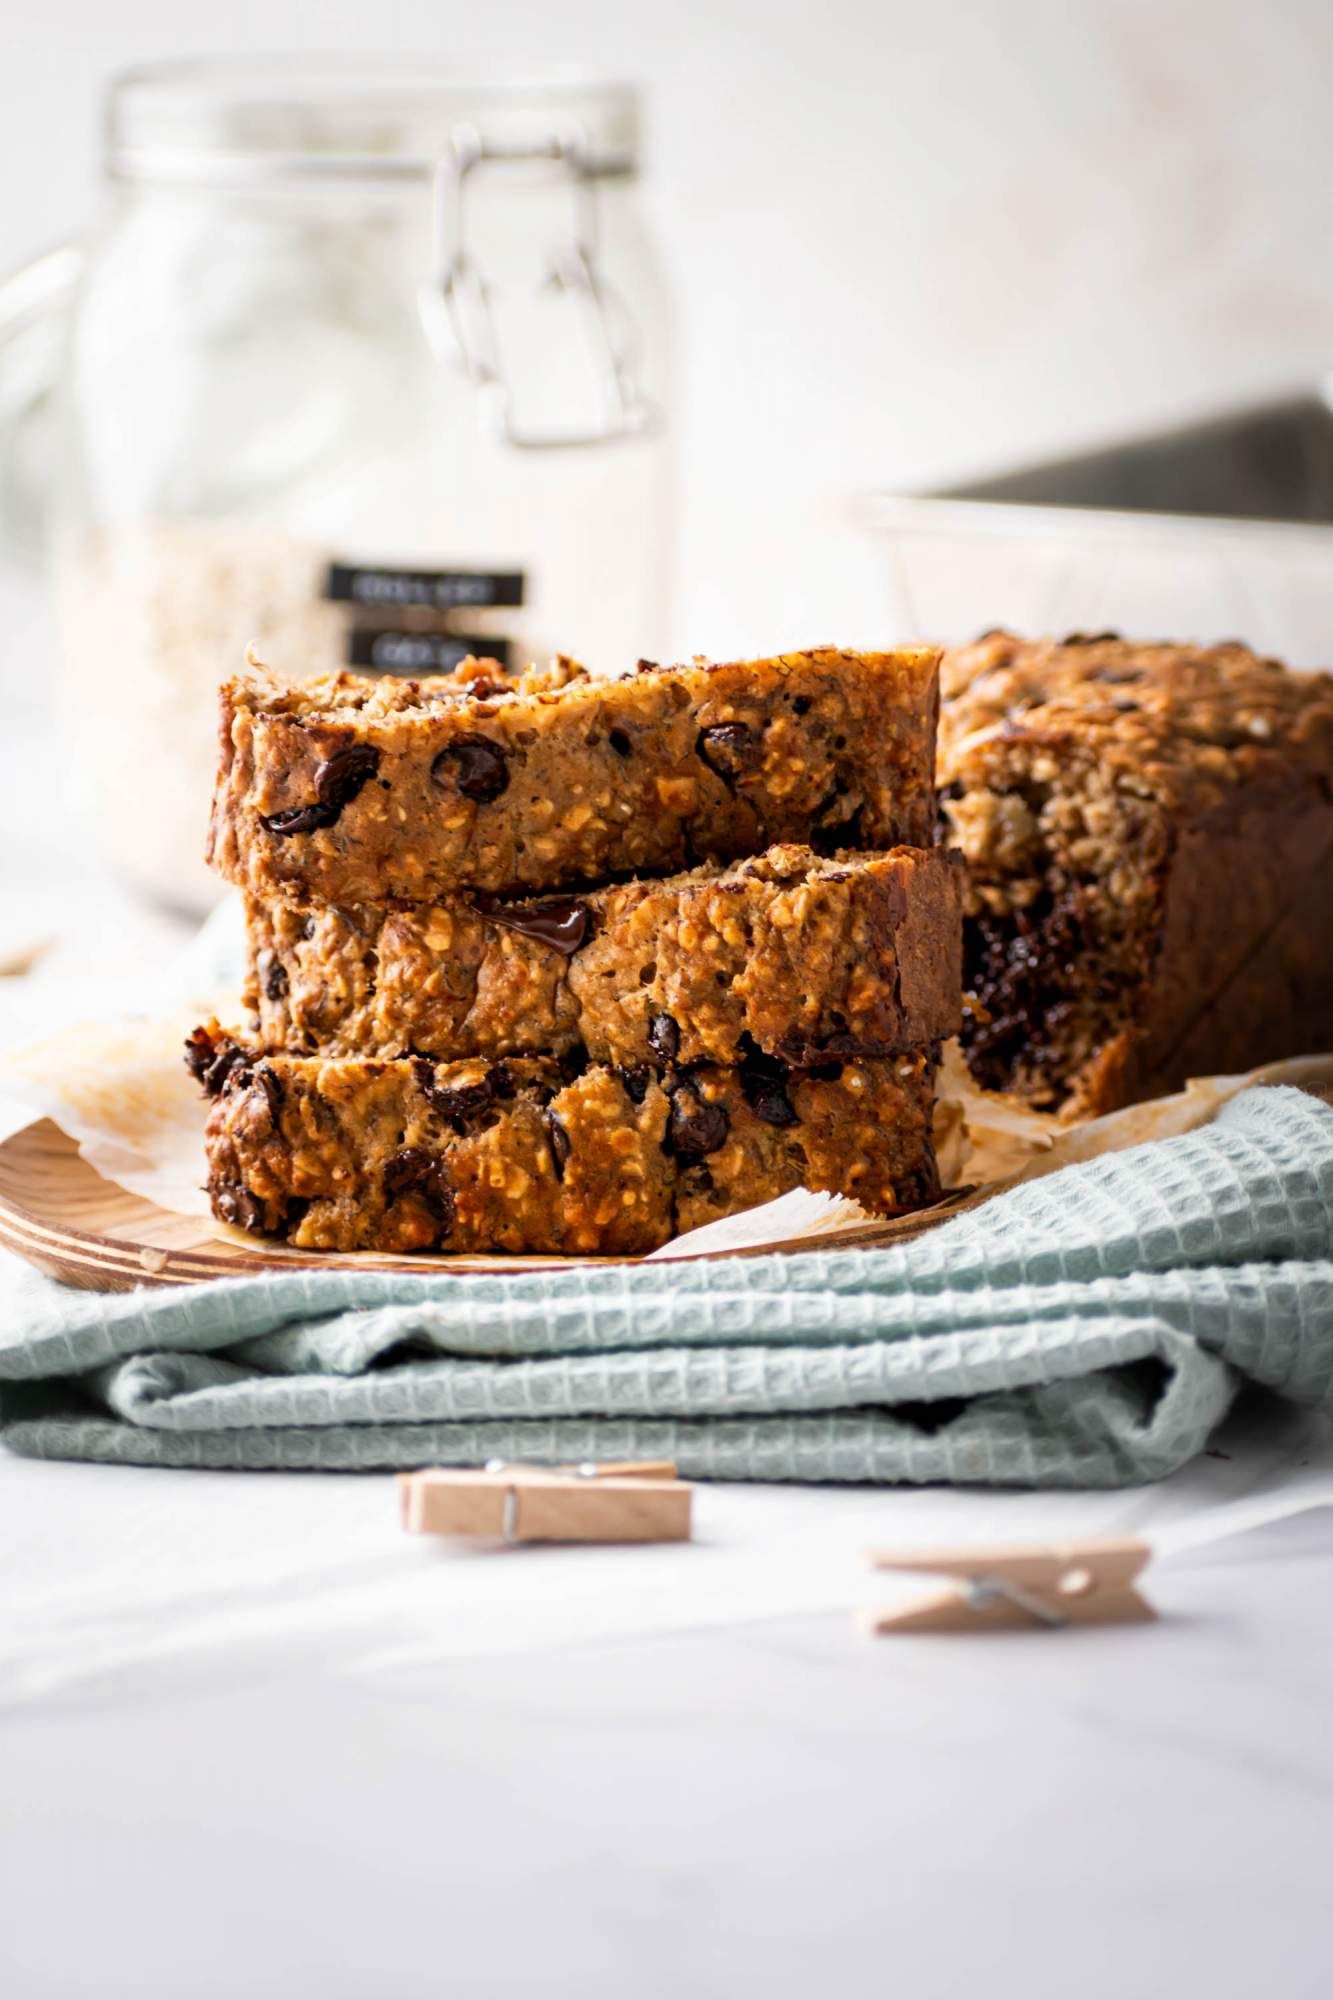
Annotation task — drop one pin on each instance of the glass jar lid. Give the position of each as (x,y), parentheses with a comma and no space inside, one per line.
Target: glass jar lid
(283,120)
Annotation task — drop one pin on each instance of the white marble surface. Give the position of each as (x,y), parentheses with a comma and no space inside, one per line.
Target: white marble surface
(720,1805)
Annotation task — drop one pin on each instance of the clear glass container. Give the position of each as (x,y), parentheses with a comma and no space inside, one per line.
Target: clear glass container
(362,369)
(1208,528)
(954,568)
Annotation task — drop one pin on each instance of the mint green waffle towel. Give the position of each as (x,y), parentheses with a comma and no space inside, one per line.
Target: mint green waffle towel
(1086,1329)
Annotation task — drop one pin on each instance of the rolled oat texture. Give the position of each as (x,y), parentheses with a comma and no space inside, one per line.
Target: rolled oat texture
(1148,833)
(360,790)
(410,1155)
(798,956)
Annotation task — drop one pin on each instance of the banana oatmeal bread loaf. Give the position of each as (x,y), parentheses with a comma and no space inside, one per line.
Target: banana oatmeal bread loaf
(799,956)
(348,1154)
(1148,832)
(359,790)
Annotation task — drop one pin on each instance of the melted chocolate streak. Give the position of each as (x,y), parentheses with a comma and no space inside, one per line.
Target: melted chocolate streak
(561,922)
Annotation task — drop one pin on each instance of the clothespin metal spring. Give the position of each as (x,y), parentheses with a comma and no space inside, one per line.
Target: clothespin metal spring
(1048,1586)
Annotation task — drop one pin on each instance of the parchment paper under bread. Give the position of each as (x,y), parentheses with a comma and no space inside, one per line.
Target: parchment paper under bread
(121,1091)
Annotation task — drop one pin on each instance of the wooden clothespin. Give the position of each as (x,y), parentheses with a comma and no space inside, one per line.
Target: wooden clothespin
(550,1503)
(1001,1589)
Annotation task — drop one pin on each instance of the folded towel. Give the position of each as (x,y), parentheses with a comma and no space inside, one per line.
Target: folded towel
(1086,1329)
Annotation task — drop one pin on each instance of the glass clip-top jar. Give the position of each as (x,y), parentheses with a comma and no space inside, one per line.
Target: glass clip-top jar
(457,307)
(364,368)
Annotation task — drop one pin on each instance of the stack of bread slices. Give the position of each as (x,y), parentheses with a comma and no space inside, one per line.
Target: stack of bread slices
(561,964)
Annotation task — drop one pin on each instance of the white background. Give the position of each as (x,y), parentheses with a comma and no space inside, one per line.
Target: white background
(909,241)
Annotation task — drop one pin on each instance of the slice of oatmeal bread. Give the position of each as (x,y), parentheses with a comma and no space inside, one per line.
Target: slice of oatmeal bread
(800,956)
(520,1155)
(358,789)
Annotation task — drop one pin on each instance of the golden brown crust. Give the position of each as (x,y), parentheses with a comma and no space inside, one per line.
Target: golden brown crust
(1136,820)
(1185,726)
(410,1155)
(796,955)
(362,790)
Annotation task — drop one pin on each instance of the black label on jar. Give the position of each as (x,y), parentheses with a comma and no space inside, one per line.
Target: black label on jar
(420,652)
(437,589)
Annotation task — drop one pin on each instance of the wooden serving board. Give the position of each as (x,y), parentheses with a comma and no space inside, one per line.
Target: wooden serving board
(61,1215)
